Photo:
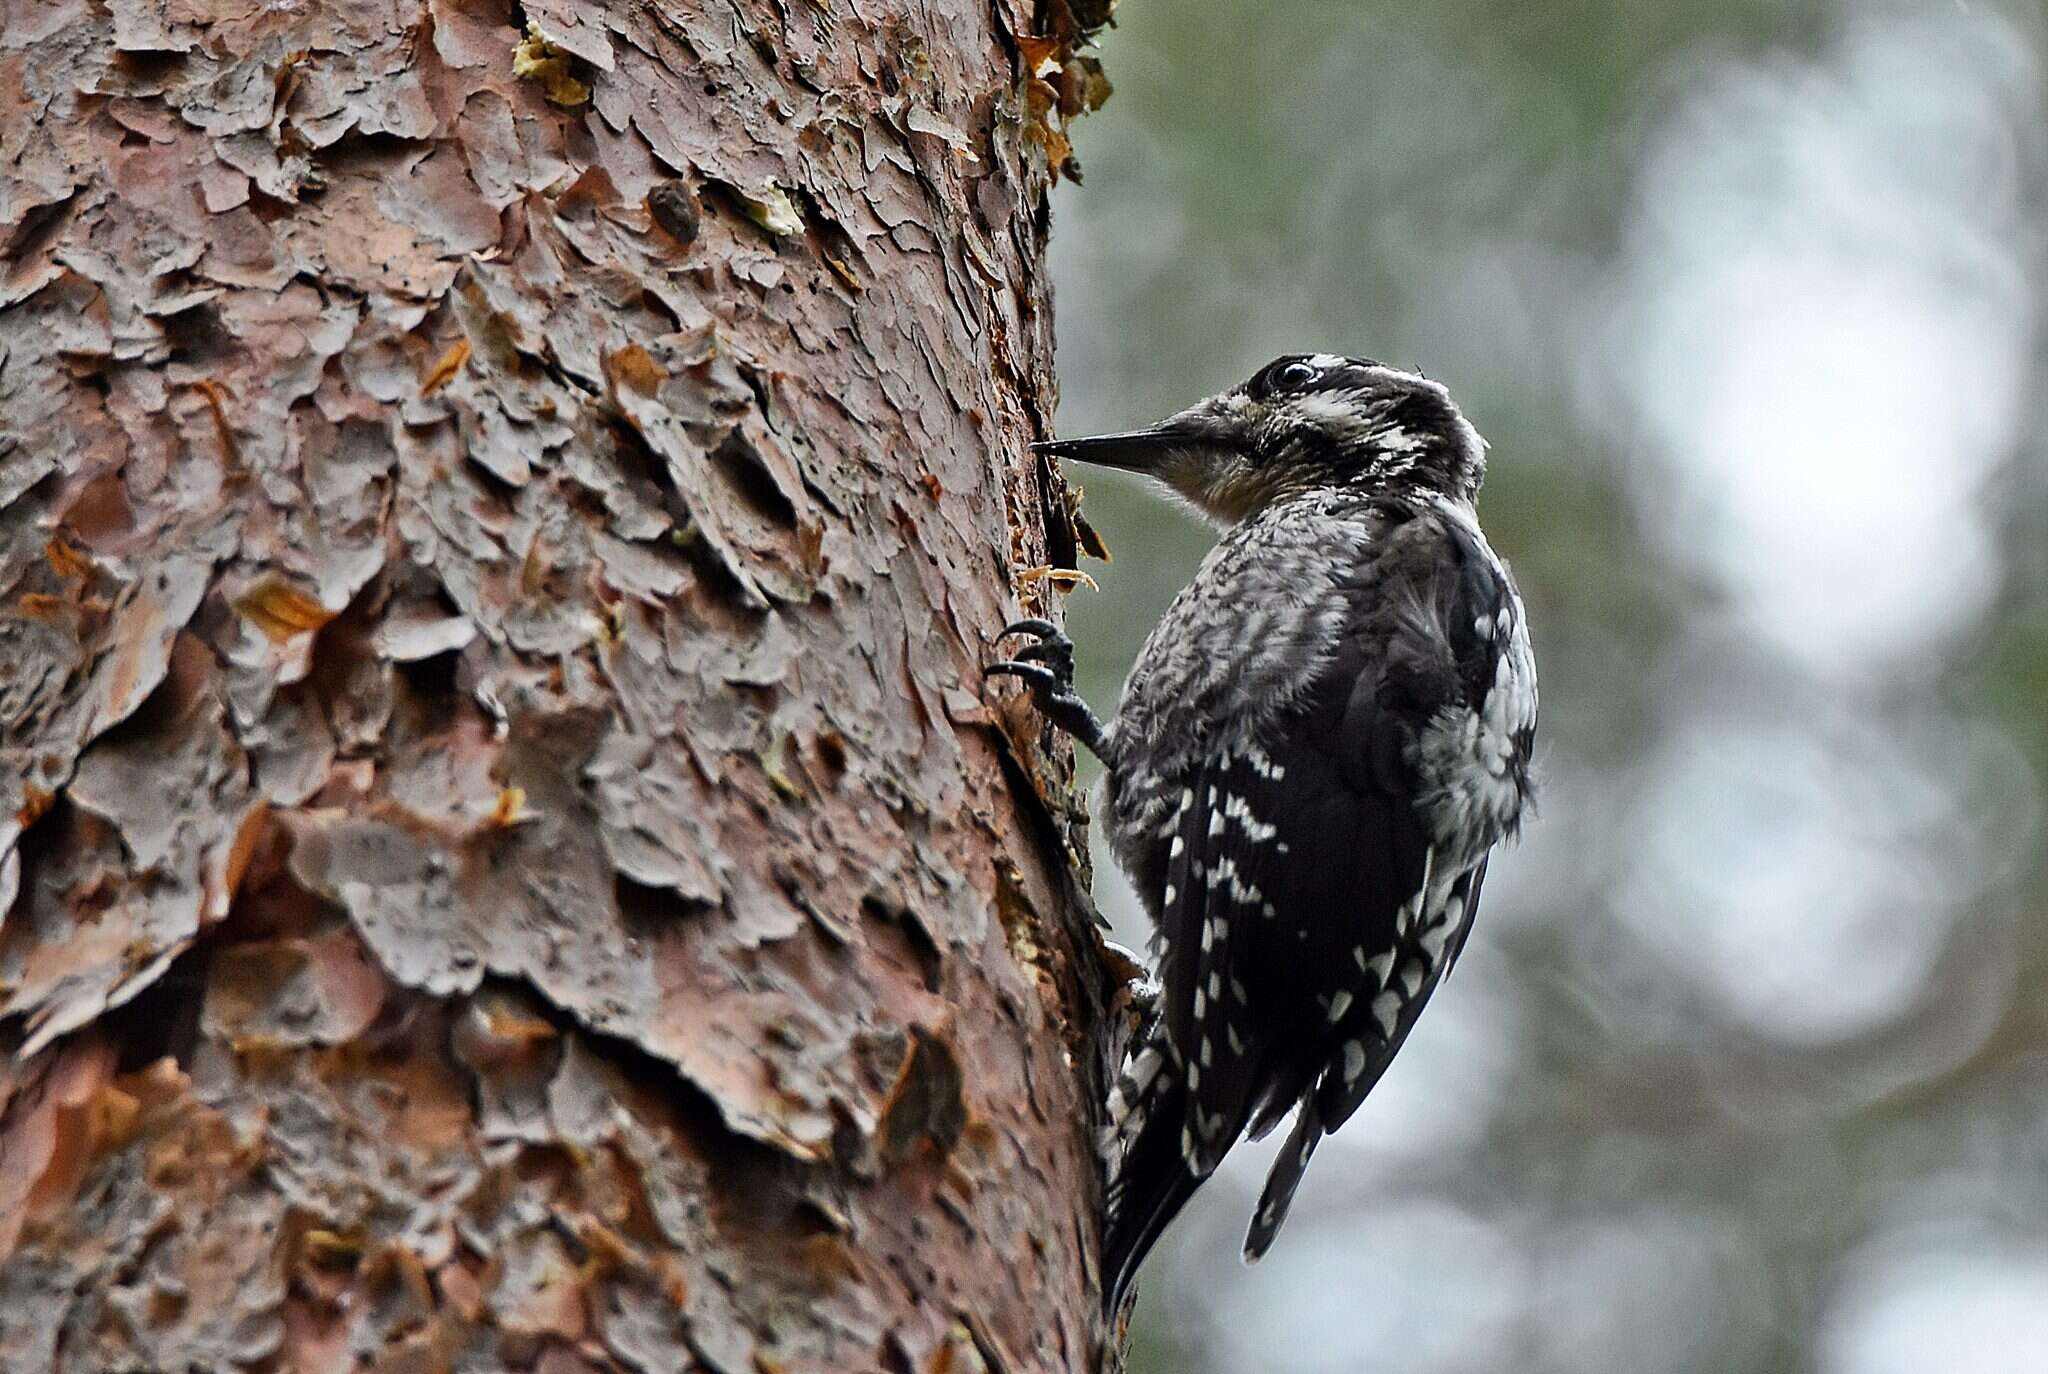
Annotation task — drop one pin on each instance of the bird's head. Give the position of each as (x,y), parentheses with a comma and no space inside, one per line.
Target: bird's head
(1304,421)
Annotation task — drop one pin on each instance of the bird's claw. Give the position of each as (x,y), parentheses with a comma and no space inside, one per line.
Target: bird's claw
(1032,625)
(1047,668)
(1059,652)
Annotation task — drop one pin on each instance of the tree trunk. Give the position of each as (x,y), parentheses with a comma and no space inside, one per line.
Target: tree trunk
(508,862)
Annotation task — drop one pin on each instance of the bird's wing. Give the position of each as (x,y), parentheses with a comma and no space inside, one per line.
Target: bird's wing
(1294,870)
(1296,848)
(1368,965)
(1282,893)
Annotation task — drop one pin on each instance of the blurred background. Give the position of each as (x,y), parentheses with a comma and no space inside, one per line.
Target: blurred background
(1746,1067)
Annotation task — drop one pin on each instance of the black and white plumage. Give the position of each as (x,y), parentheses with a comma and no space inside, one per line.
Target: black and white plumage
(1316,752)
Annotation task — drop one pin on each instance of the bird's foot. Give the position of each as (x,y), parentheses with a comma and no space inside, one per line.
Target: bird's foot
(1046,666)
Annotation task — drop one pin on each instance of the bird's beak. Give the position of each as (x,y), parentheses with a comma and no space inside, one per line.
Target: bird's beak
(1137,450)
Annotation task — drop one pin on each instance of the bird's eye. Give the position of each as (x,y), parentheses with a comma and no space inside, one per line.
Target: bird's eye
(1293,376)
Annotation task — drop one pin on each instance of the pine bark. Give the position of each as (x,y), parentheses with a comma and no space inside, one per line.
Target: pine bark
(506,857)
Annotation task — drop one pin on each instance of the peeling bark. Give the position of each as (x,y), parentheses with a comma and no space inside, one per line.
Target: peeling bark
(507,861)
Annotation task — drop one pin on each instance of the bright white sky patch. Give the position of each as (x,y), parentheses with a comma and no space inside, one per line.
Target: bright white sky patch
(1804,873)
(1974,1307)
(1442,1287)
(1827,330)
(1646,1290)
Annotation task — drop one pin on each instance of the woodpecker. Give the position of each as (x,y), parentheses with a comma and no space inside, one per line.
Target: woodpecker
(1315,753)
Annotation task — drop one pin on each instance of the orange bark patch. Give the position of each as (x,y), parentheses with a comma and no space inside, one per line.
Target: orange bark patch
(280,610)
(445,367)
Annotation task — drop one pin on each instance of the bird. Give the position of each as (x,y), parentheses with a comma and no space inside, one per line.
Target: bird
(1315,755)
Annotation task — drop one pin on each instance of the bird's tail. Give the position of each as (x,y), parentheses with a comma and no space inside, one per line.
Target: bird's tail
(1150,1179)
(1284,1178)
